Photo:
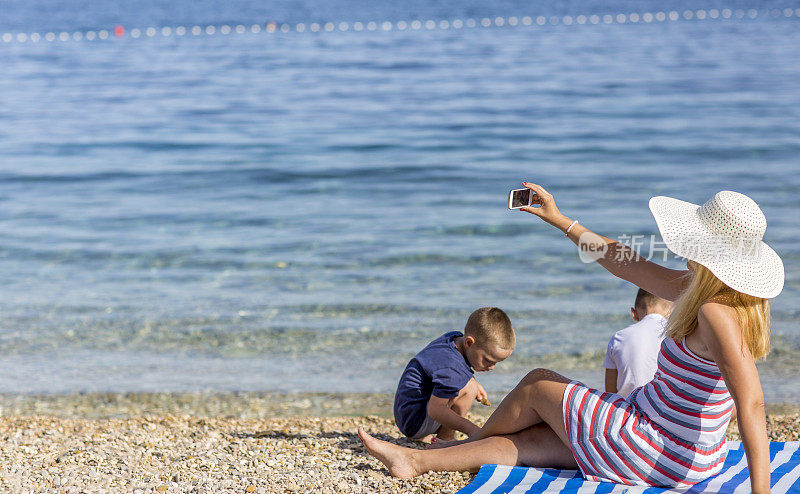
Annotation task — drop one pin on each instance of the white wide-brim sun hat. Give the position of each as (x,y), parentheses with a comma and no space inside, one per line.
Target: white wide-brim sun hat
(725,235)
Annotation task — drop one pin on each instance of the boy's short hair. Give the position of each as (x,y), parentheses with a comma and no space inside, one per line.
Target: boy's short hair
(490,324)
(646,301)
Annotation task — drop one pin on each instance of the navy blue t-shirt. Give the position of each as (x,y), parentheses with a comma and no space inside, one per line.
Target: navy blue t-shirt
(439,370)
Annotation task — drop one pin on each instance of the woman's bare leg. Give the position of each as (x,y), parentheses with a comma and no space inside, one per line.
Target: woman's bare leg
(536,399)
(536,446)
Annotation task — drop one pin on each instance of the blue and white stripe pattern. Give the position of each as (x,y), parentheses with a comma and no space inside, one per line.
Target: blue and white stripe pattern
(734,477)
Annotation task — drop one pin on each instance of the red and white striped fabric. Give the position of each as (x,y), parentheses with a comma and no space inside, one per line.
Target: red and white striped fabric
(669,432)
(687,396)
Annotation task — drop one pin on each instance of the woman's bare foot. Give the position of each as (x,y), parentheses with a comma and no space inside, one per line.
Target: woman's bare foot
(395,458)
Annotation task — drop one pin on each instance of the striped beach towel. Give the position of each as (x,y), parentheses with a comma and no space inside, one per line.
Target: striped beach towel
(734,477)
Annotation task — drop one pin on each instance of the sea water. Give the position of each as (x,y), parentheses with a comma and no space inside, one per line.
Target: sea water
(304,211)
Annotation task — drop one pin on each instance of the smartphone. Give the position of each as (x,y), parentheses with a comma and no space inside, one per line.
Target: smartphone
(520,198)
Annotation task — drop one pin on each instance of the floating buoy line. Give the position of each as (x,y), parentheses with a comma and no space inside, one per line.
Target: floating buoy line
(118,32)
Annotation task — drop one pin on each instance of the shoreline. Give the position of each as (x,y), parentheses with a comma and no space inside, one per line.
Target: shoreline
(239,405)
(168,453)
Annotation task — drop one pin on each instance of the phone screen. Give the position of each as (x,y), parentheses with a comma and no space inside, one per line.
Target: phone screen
(520,198)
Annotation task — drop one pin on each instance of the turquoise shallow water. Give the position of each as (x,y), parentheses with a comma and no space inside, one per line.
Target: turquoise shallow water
(302,212)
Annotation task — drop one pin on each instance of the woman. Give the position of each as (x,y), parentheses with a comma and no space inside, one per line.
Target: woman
(670,432)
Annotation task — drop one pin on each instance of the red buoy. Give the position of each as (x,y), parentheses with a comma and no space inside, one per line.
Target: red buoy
(119,31)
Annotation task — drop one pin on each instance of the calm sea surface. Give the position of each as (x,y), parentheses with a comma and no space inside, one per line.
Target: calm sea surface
(304,211)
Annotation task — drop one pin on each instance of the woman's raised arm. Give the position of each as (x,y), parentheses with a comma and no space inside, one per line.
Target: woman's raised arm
(619,259)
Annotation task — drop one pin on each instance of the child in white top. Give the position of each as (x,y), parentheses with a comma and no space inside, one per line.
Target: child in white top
(631,357)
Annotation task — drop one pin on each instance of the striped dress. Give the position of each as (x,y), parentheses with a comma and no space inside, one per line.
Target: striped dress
(669,432)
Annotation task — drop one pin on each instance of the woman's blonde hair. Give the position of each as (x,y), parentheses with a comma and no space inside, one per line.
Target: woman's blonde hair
(752,313)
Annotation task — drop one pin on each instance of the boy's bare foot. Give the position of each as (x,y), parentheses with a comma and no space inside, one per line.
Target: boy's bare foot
(395,458)
(437,444)
(427,439)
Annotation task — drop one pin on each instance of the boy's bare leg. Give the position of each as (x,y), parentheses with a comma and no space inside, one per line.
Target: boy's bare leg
(537,446)
(445,434)
(461,405)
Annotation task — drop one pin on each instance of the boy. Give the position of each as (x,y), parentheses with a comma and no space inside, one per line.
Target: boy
(632,354)
(437,388)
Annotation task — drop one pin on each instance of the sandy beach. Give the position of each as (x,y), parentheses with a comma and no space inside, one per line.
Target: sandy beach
(152,450)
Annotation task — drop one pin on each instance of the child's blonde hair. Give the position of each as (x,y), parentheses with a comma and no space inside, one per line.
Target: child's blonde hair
(752,313)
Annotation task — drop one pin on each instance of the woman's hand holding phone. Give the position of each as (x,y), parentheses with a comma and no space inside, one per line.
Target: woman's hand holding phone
(546,208)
